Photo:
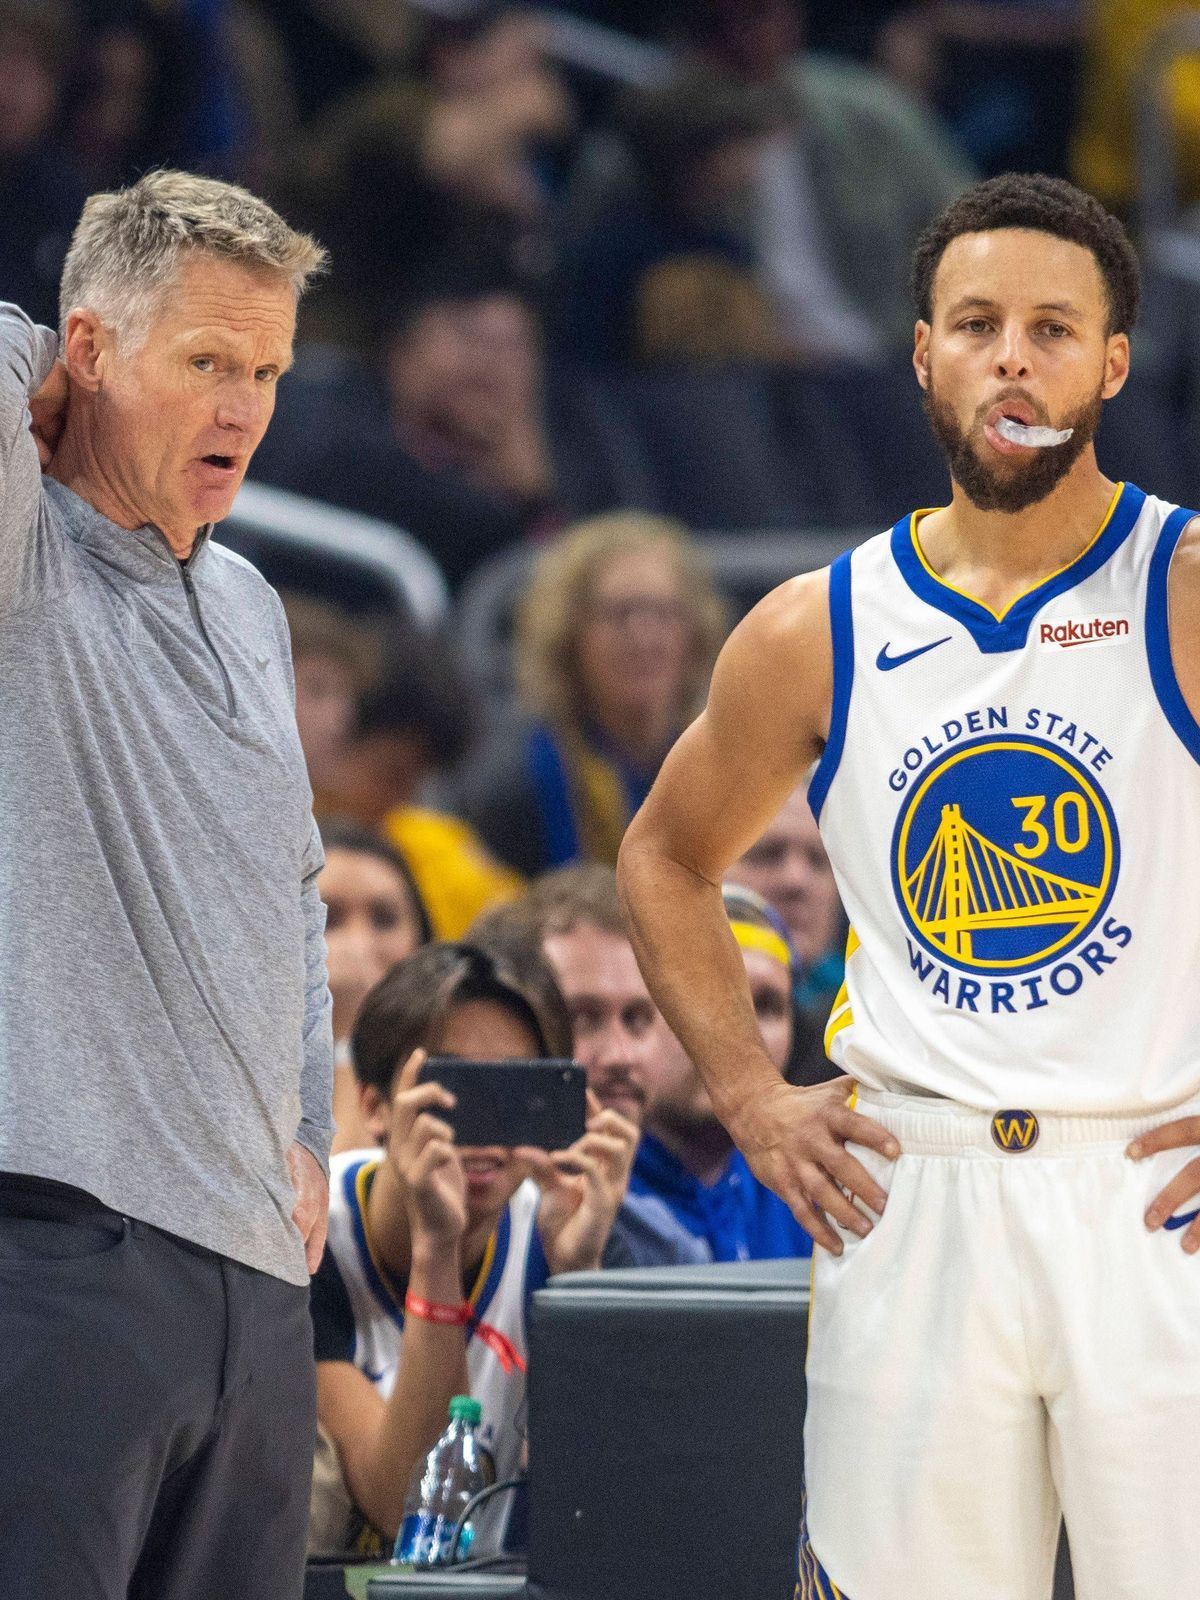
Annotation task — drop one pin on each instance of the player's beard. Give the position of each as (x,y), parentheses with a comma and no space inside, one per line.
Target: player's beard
(1012,483)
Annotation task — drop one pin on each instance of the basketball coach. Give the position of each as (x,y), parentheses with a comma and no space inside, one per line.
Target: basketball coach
(165,1044)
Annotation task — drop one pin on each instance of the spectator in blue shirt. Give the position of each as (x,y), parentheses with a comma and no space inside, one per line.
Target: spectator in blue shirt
(686,1158)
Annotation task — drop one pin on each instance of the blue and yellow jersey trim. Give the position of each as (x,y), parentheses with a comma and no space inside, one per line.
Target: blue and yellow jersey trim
(812,1581)
(841,1014)
(995,631)
(1158,639)
(841,627)
(1033,587)
(357,1187)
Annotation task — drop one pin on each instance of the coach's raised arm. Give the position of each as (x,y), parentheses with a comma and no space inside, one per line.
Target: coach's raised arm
(33,393)
(165,1046)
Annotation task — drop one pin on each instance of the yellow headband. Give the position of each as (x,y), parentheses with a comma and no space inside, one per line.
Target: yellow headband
(751,937)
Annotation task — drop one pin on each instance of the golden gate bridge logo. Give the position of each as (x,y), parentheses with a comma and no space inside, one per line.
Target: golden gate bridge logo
(1004,855)
(965,882)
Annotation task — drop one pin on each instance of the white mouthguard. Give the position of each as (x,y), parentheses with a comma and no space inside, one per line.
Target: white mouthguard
(1018,433)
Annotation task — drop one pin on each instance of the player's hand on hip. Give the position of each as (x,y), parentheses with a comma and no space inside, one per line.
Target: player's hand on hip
(311,1211)
(1182,1134)
(48,413)
(795,1141)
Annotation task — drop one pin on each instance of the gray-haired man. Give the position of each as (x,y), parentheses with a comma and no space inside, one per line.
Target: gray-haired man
(165,1048)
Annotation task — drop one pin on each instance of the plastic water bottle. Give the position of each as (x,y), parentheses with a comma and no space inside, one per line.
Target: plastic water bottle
(450,1475)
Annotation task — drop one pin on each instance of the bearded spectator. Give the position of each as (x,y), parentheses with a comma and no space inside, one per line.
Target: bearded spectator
(686,1158)
(573,917)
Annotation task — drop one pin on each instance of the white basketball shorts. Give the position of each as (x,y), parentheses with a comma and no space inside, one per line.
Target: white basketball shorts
(1010,1344)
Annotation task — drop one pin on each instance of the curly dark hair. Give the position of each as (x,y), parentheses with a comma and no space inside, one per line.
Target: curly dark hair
(1048,205)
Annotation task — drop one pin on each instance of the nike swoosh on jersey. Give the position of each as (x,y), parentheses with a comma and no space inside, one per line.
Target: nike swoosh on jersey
(1181,1222)
(887,663)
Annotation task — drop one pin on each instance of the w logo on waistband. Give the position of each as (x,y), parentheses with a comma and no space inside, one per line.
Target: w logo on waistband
(1015,1131)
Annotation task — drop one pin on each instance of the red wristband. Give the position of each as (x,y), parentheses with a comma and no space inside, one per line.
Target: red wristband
(431,1311)
(462,1316)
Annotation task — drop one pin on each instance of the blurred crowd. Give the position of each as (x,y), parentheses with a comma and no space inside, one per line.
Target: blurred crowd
(591,255)
(604,275)
(473,911)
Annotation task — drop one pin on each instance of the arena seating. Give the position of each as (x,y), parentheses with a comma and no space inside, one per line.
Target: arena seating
(746,566)
(306,545)
(728,448)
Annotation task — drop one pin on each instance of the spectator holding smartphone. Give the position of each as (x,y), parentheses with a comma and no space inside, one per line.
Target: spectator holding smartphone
(435,1249)
(573,916)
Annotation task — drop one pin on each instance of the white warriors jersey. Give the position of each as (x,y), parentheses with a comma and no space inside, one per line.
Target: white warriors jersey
(514,1265)
(1012,808)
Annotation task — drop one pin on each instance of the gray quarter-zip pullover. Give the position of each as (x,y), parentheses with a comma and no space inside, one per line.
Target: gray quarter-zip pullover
(164,1011)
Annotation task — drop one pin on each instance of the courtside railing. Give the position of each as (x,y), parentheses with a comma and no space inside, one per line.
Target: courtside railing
(744,566)
(337,549)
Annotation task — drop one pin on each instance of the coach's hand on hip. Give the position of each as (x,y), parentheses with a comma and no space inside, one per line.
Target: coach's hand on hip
(311,1211)
(795,1140)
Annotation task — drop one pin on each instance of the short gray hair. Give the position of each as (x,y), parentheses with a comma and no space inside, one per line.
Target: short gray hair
(127,245)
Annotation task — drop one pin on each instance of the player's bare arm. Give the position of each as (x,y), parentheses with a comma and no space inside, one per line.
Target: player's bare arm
(1181,1133)
(765,724)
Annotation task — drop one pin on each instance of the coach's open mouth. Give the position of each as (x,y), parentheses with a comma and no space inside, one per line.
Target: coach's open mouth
(226,463)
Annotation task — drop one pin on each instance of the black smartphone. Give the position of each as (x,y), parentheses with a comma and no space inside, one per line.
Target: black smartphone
(508,1103)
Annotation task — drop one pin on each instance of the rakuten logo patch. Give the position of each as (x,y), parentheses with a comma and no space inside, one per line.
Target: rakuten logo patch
(1096,630)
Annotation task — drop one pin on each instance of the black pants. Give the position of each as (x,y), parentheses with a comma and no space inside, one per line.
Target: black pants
(157,1412)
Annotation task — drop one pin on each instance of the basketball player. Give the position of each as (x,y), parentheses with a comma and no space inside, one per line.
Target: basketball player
(1003,695)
